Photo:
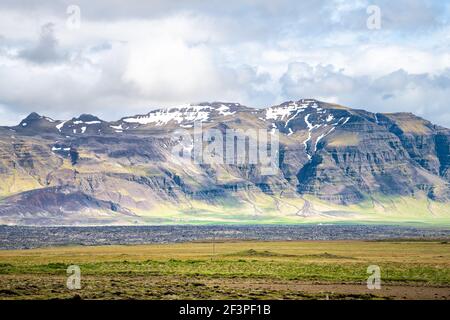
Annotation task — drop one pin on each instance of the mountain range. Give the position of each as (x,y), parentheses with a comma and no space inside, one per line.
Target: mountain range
(336,164)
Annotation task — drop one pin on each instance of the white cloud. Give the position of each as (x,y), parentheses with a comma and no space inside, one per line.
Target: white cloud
(424,94)
(46,49)
(172,62)
(127,58)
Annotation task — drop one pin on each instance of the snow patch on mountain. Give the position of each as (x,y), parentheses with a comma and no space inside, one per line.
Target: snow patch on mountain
(279,113)
(346,120)
(119,127)
(179,115)
(225,110)
(305,143)
(59,126)
(86,122)
(323,135)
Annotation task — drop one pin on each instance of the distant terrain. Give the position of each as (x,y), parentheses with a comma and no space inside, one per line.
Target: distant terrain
(231,270)
(336,164)
(17,237)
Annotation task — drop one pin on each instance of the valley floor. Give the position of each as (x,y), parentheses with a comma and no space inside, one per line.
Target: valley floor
(231,270)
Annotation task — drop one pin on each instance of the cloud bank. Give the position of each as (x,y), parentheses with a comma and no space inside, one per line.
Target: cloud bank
(128,58)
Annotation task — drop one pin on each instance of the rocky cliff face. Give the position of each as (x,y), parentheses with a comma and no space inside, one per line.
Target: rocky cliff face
(86,170)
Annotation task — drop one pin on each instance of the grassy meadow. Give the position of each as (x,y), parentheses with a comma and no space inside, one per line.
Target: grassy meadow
(231,270)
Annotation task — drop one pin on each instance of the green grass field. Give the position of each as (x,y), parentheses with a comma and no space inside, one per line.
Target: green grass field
(231,270)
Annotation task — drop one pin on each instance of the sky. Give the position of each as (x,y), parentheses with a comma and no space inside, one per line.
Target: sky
(117,58)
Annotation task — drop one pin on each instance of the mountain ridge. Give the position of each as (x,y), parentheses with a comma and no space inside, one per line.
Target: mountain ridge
(217,104)
(335,164)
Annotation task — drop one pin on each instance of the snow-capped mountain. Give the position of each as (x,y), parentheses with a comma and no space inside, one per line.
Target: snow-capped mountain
(335,163)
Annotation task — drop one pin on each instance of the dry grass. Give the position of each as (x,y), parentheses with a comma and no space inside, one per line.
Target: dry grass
(230,270)
(343,140)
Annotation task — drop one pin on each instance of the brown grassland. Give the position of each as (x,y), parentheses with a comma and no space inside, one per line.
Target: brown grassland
(231,270)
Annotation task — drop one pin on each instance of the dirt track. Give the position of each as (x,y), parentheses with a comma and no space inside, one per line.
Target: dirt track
(390,291)
(163,287)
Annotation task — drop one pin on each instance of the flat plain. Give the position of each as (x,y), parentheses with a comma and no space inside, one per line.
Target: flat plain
(231,270)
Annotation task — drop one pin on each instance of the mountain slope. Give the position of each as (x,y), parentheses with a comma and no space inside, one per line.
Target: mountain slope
(335,164)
